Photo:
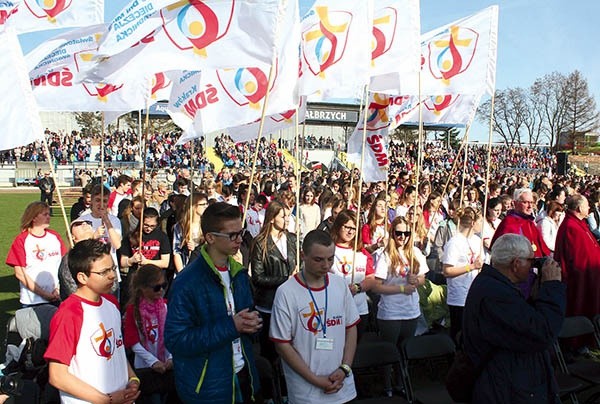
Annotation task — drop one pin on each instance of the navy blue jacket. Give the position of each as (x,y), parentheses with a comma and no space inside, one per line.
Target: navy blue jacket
(498,319)
(199,331)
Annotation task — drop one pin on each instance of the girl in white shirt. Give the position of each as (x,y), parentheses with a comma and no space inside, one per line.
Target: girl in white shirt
(549,224)
(399,272)
(462,259)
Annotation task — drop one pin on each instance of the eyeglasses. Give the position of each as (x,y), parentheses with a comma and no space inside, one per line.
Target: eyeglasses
(399,233)
(106,272)
(80,223)
(150,226)
(234,235)
(160,286)
(349,229)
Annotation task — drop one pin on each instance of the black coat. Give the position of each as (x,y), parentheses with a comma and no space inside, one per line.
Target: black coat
(498,319)
(272,271)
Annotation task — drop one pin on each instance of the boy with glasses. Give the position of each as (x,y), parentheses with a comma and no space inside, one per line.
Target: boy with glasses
(155,248)
(86,353)
(209,319)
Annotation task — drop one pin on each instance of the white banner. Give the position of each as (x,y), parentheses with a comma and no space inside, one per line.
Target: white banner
(194,35)
(272,124)
(449,109)
(39,15)
(55,85)
(376,159)
(336,50)
(460,58)
(19,118)
(396,49)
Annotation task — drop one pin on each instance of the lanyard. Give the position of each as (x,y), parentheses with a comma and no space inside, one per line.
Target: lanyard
(321,321)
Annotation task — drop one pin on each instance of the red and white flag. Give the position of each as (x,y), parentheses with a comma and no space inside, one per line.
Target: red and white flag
(272,124)
(20,118)
(39,15)
(395,46)
(448,109)
(376,159)
(55,85)
(460,58)
(195,35)
(336,50)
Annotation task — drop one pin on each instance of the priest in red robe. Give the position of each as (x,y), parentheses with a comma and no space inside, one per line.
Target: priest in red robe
(578,254)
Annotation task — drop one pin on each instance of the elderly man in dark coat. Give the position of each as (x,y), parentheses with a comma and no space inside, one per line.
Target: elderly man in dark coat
(510,335)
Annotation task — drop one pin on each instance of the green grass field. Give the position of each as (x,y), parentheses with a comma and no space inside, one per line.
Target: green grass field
(12,206)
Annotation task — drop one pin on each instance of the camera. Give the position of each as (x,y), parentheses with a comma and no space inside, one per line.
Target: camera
(538,262)
(11,384)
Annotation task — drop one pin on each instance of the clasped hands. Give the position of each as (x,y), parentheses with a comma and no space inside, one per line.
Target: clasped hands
(247,322)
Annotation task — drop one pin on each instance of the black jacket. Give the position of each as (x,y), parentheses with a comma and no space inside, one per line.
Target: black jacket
(498,319)
(271,272)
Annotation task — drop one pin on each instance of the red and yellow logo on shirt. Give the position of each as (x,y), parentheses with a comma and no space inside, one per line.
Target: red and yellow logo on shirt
(104,342)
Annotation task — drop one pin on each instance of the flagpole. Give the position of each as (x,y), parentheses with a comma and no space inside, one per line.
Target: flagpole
(260,130)
(363,101)
(102,163)
(191,197)
(489,164)
(297,167)
(360,180)
(143,155)
(418,171)
(60,200)
(462,184)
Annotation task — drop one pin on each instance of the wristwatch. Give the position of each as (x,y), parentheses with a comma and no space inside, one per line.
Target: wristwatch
(346,369)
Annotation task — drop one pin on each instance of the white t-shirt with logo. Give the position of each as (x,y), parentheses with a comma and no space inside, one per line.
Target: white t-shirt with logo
(342,266)
(399,306)
(458,252)
(86,336)
(254,221)
(116,224)
(294,320)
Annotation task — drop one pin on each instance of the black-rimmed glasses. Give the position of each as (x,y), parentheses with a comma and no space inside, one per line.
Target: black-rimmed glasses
(160,286)
(106,272)
(399,233)
(234,235)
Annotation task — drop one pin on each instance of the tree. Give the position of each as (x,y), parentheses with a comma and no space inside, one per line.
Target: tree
(581,115)
(450,138)
(90,122)
(548,94)
(510,107)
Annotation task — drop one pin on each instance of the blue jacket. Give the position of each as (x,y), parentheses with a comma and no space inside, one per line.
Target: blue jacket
(498,319)
(199,332)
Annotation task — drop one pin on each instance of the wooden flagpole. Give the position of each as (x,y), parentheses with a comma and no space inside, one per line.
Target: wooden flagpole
(489,164)
(60,200)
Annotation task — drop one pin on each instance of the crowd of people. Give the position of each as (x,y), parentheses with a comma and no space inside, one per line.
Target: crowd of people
(371,258)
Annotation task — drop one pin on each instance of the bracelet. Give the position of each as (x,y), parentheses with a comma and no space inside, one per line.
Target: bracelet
(401,288)
(357,288)
(109,398)
(134,379)
(346,369)
(468,268)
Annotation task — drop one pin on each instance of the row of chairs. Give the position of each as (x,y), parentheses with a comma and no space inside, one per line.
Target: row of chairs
(578,374)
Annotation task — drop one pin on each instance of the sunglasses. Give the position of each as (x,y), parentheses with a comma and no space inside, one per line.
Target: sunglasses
(160,286)
(399,233)
(80,223)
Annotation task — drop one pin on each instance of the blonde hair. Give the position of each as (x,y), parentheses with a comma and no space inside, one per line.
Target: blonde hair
(408,249)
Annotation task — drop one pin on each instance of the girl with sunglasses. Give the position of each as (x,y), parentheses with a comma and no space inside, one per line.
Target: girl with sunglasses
(399,272)
(143,334)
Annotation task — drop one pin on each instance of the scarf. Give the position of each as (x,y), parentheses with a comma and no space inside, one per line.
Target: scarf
(153,313)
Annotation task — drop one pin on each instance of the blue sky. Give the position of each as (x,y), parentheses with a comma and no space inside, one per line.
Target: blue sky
(535,37)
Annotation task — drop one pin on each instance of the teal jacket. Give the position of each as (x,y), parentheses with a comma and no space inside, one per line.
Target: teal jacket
(199,331)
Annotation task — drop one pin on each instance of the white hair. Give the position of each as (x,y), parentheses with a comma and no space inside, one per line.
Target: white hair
(508,247)
(519,192)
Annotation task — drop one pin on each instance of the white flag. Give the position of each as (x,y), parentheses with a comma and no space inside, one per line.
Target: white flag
(19,118)
(448,109)
(460,58)
(39,15)
(227,98)
(376,158)
(272,124)
(396,46)
(55,85)
(196,35)
(336,52)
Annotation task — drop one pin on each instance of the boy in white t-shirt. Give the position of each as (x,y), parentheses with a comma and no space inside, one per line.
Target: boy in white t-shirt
(313,325)
(86,351)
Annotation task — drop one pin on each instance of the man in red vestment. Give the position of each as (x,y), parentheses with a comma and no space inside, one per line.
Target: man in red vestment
(521,220)
(578,254)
